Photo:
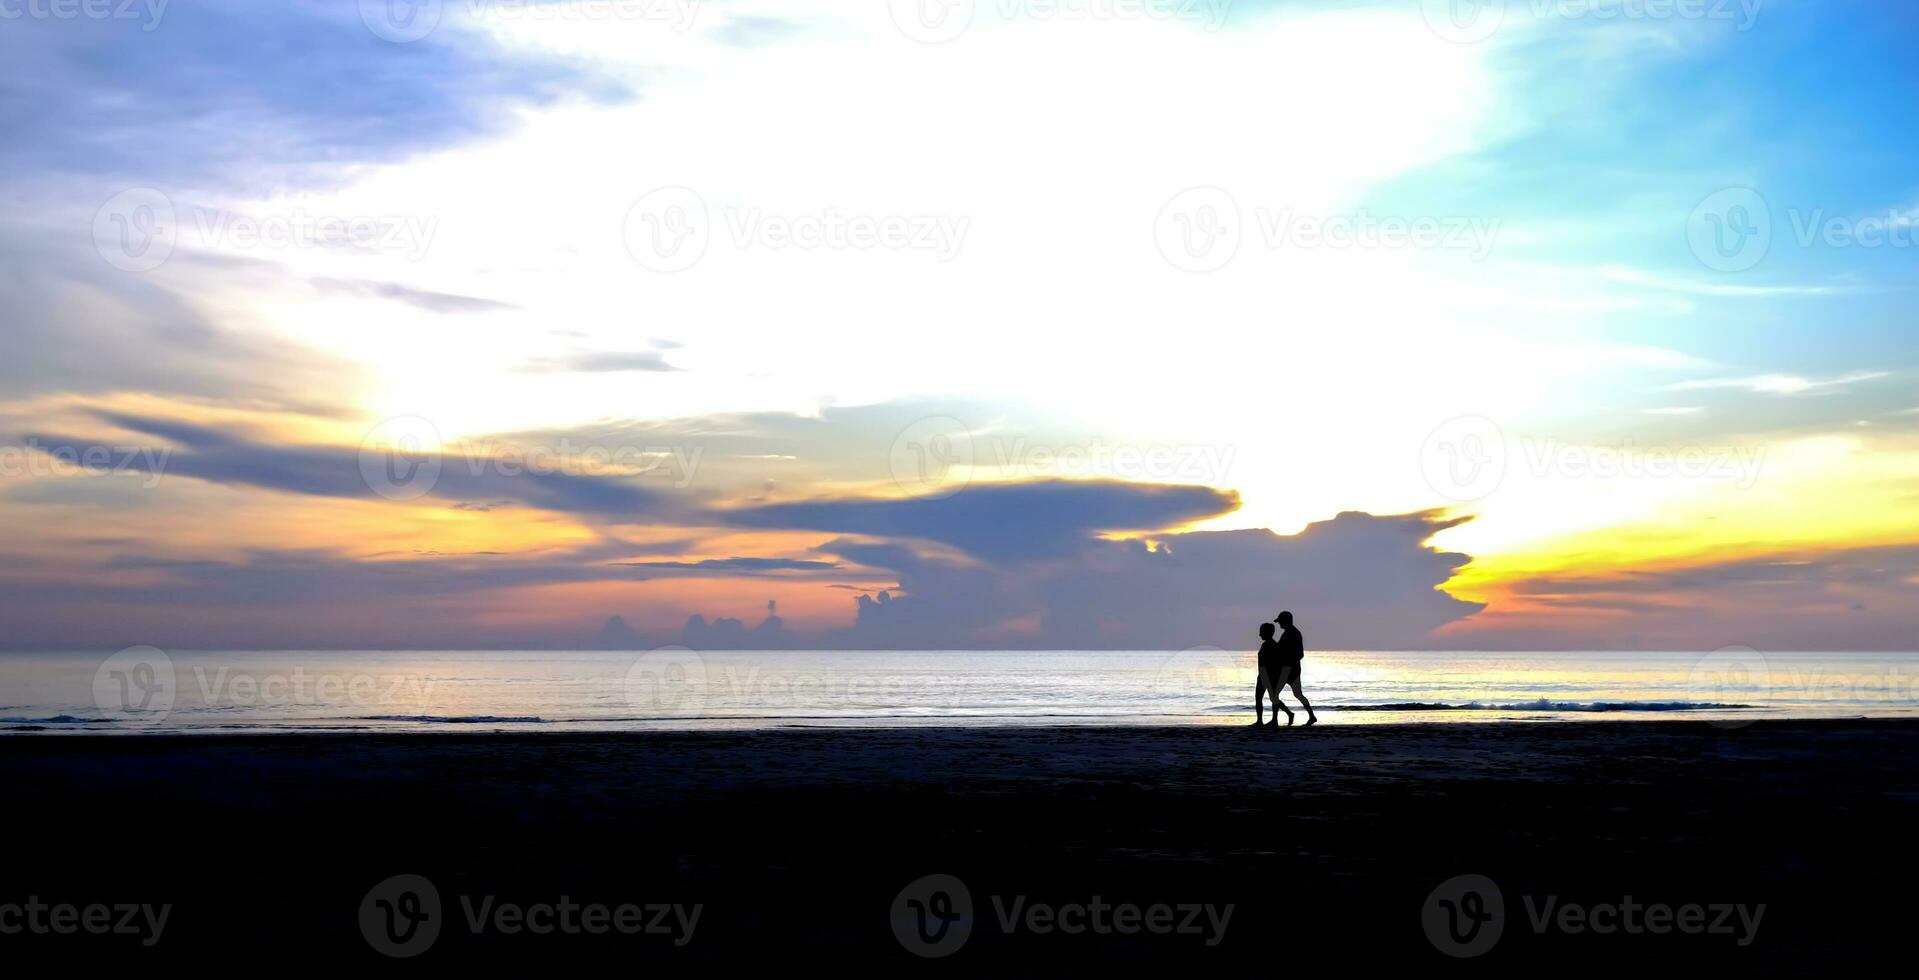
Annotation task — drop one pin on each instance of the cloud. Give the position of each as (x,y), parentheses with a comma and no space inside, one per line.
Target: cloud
(1782,384)
(202,453)
(255,96)
(423,299)
(1838,599)
(1003,520)
(755,32)
(736,566)
(73,324)
(602,362)
(1356,581)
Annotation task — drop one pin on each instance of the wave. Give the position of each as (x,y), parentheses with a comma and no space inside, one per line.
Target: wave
(1545,705)
(58,720)
(457,719)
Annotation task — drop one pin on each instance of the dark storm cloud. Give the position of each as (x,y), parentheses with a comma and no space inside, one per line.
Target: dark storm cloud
(1356,581)
(1003,520)
(202,453)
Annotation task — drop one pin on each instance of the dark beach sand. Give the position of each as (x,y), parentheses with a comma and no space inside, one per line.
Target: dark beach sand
(796,843)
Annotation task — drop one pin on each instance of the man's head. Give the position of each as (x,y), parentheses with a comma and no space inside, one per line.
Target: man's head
(1284,619)
(1265,631)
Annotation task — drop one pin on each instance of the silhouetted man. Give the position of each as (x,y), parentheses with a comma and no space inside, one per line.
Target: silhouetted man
(1291,650)
(1271,676)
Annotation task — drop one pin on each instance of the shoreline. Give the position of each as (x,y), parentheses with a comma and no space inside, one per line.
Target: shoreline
(463,728)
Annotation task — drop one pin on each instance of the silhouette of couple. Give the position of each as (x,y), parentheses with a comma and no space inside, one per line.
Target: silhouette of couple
(1279,662)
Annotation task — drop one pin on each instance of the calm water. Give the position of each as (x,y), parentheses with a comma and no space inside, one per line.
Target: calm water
(145,690)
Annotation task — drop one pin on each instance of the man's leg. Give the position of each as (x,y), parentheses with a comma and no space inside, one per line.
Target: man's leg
(1293,678)
(1279,681)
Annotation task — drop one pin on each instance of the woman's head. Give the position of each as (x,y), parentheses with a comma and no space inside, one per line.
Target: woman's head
(1265,631)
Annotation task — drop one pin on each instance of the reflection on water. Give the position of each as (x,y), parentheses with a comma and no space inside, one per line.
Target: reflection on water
(143,689)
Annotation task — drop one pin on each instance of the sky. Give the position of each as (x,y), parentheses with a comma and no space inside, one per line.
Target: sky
(1455,324)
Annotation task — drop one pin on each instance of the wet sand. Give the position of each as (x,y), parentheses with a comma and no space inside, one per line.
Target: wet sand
(794,847)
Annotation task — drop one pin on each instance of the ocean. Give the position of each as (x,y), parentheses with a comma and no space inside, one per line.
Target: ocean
(147,690)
